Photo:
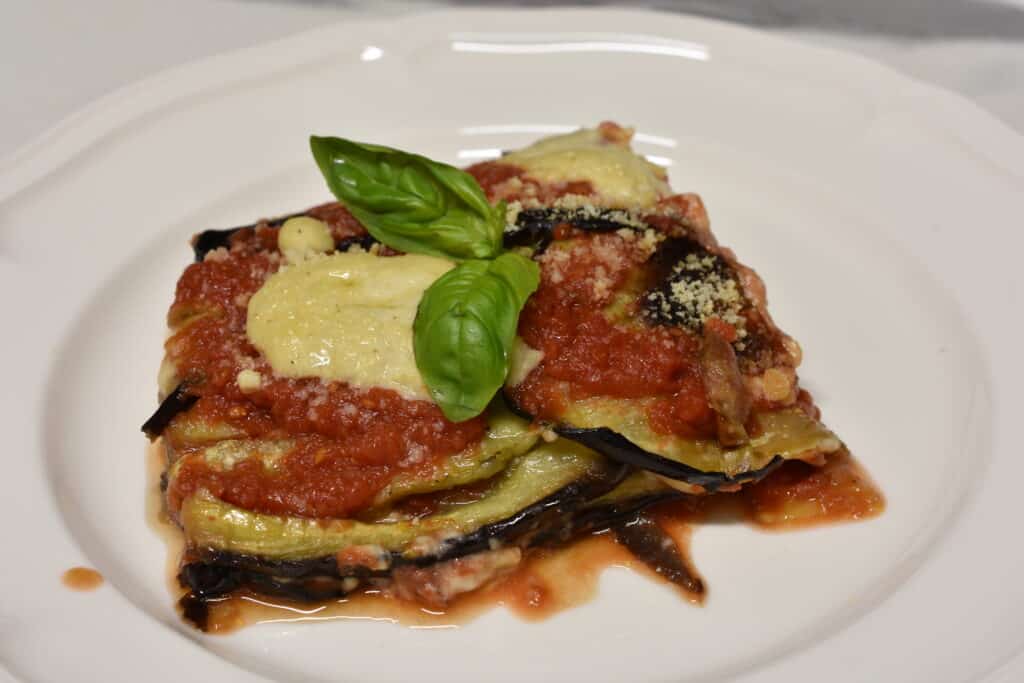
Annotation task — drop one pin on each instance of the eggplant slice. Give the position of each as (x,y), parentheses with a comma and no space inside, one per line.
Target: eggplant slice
(783,435)
(621,433)
(178,401)
(645,538)
(600,499)
(529,480)
(508,436)
(621,449)
(536,500)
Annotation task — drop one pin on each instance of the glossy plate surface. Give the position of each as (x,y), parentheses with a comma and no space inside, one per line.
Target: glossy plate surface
(882,214)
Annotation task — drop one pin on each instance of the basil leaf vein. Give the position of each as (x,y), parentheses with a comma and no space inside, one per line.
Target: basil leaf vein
(464,330)
(409,202)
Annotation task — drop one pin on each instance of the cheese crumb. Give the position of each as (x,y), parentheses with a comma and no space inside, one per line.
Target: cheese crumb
(249,381)
(699,288)
(522,361)
(167,377)
(303,236)
(512,210)
(217,255)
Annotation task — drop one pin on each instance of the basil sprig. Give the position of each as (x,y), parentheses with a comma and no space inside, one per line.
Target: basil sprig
(466,321)
(409,202)
(465,327)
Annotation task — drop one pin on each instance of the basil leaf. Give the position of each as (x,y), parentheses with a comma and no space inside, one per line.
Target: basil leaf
(409,202)
(464,329)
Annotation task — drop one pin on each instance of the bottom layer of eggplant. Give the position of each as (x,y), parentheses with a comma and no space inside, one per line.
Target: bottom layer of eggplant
(611,501)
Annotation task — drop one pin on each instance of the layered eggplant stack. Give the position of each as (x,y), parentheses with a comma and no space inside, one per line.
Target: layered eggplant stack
(307,460)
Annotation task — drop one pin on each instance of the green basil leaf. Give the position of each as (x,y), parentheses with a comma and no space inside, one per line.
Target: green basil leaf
(464,329)
(409,202)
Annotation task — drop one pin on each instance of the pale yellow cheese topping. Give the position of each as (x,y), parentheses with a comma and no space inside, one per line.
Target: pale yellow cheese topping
(303,236)
(522,360)
(621,178)
(249,381)
(345,317)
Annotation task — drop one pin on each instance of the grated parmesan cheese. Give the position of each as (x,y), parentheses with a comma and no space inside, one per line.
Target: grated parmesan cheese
(249,381)
(699,288)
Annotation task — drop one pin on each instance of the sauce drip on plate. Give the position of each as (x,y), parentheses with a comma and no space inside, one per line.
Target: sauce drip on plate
(82,579)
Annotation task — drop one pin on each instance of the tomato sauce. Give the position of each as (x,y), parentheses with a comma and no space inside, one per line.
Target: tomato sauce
(588,355)
(800,495)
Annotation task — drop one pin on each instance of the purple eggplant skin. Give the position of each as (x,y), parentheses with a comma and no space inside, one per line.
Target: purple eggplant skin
(616,447)
(535,227)
(551,511)
(554,521)
(650,544)
(178,401)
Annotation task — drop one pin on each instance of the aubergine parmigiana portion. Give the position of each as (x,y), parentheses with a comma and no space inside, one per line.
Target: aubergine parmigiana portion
(323,437)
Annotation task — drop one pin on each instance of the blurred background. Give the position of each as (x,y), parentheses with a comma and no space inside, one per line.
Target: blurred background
(58,55)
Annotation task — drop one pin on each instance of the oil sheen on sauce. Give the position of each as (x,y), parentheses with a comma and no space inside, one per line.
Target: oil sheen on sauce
(549,581)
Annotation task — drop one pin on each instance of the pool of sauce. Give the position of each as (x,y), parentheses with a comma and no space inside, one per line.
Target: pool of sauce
(550,581)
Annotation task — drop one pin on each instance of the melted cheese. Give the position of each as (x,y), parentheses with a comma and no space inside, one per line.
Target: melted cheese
(345,317)
(522,361)
(303,237)
(620,177)
(248,381)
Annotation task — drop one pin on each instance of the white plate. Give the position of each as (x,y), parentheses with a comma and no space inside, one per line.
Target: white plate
(884,216)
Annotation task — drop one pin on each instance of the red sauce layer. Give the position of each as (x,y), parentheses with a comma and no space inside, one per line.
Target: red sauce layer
(587,355)
(353,441)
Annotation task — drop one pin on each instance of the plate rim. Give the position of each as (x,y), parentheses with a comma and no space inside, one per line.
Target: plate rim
(32,162)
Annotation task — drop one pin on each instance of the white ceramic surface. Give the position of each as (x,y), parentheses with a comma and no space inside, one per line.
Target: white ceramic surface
(880,212)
